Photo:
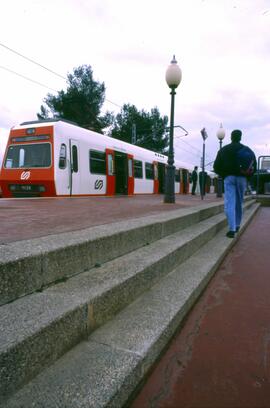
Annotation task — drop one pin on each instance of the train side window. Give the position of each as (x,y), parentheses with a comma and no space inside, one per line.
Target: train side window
(177,175)
(21,157)
(130,167)
(149,171)
(138,169)
(155,171)
(74,159)
(97,162)
(110,165)
(63,156)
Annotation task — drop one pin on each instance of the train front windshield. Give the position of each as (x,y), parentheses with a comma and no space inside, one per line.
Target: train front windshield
(28,155)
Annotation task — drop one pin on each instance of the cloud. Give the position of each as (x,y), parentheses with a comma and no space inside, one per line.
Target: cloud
(235,110)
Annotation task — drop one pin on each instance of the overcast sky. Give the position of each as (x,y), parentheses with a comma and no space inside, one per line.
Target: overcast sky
(222,48)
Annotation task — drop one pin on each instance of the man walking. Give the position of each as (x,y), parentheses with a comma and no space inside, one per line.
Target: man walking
(194,178)
(234,163)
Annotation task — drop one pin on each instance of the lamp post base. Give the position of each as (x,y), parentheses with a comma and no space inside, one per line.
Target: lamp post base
(169,196)
(169,200)
(219,187)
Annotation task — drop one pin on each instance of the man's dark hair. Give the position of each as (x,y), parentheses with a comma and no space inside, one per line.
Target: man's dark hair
(236,135)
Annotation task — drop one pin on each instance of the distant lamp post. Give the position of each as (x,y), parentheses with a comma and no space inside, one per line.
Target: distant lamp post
(173,79)
(220,136)
(202,176)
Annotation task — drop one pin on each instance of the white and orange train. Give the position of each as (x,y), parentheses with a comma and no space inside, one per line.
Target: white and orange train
(57,158)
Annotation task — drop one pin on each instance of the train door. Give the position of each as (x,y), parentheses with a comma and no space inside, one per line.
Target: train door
(121,173)
(181,181)
(110,171)
(185,180)
(184,184)
(207,184)
(156,181)
(74,167)
(62,170)
(161,178)
(130,174)
(177,181)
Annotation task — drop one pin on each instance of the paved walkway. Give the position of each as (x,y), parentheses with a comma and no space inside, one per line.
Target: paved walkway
(221,357)
(32,218)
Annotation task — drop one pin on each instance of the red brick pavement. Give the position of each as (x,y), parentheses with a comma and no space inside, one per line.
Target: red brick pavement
(221,356)
(31,218)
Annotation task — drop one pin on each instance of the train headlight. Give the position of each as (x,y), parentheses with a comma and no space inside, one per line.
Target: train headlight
(30,131)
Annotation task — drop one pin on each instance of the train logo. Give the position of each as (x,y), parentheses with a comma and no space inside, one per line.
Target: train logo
(25,175)
(98,184)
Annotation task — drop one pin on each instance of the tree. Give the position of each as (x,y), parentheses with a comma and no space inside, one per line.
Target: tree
(80,103)
(150,128)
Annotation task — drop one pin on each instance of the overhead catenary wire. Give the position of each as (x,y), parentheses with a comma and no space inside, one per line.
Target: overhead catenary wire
(41,66)
(177,138)
(190,145)
(31,60)
(62,77)
(45,86)
(198,154)
(180,138)
(187,151)
(28,79)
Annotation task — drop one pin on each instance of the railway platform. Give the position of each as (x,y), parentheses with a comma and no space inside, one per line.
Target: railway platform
(94,290)
(22,219)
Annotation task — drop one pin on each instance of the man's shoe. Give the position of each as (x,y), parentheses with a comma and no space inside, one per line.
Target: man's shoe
(230,234)
(237,229)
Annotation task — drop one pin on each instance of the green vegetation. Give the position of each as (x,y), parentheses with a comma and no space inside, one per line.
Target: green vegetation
(82,103)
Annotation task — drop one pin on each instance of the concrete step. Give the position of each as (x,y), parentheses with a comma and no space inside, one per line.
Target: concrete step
(105,369)
(63,315)
(32,265)
(39,328)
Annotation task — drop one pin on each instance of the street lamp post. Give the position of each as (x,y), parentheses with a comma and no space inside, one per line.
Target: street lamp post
(203,179)
(173,79)
(220,136)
